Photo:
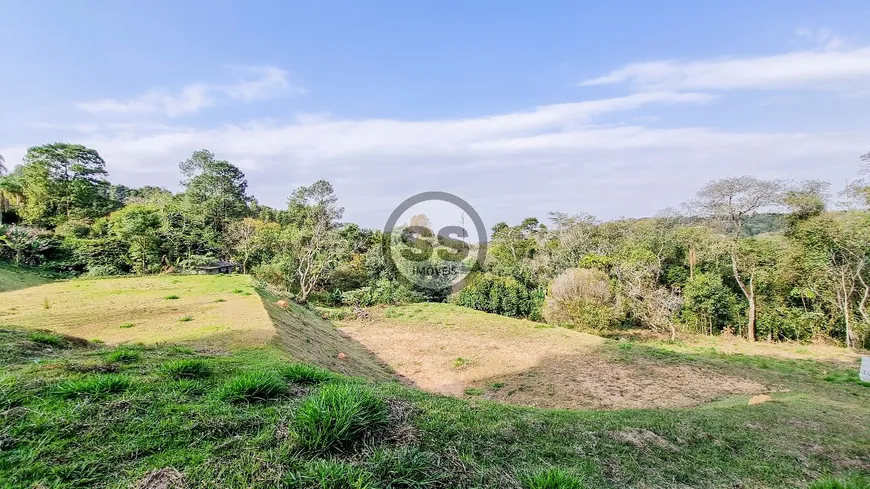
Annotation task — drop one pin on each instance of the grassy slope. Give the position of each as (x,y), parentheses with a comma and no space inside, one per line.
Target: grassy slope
(818,423)
(114,439)
(14,278)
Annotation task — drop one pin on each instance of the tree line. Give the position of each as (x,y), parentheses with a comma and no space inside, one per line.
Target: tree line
(750,257)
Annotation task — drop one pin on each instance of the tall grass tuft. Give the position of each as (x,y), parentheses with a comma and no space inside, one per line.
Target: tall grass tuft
(338,416)
(551,479)
(407,467)
(253,387)
(857,482)
(329,474)
(124,355)
(300,373)
(188,368)
(45,338)
(94,385)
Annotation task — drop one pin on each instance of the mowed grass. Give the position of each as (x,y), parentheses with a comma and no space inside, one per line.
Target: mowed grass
(62,428)
(15,278)
(103,308)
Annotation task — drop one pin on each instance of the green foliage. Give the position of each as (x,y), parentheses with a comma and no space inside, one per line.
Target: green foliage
(333,474)
(551,479)
(584,298)
(171,297)
(709,306)
(126,325)
(94,386)
(254,387)
(382,291)
(46,338)
(337,417)
(301,373)
(856,482)
(407,467)
(124,355)
(188,368)
(185,319)
(500,295)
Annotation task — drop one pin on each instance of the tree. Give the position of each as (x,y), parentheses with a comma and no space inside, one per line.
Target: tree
(62,179)
(246,238)
(581,297)
(733,202)
(138,224)
(316,243)
(11,194)
(215,188)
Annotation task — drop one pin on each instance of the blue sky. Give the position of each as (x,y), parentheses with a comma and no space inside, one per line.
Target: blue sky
(612,108)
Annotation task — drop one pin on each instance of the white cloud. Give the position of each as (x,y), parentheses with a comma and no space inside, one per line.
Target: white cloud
(511,165)
(824,38)
(260,83)
(819,70)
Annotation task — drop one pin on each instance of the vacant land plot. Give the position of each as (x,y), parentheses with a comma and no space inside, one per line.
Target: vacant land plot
(458,351)
(207,309)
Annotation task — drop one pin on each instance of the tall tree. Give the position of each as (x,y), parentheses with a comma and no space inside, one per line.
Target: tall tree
(61,181)
(733,202)
(215,188)
(316,243)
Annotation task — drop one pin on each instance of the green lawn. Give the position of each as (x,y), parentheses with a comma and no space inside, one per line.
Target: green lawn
(89,416)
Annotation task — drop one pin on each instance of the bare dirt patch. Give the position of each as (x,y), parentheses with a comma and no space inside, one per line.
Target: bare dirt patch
(457,351)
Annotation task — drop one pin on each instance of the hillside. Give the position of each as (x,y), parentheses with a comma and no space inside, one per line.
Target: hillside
(14,278)
(228,408)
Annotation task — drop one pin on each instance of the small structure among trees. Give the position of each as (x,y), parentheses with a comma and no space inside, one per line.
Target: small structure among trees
(215,268)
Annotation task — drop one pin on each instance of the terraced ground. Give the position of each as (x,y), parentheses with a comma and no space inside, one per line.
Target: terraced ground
(251,394)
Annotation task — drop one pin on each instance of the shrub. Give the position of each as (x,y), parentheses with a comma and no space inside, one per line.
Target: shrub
(94,385)
(551,479)
(407,467)
(124,355)
(582,297)
(500,295)
(254,386)
(300,373)
(185,319)
(126,326)
(171,297)
(46,338)
(190,368)
(338,416)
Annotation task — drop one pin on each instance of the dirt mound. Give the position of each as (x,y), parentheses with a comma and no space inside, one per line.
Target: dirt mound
(456,351)
(166,478)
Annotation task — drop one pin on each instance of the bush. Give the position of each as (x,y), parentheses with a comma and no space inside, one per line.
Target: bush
(382,291)
(187,369)
(254,386)
(337,417)
(500,295)
(551,479)
(582,297)
(171,297)
(124,355)
(300,373)
(94,385)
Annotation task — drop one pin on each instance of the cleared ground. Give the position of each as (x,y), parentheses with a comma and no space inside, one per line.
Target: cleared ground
(457,351)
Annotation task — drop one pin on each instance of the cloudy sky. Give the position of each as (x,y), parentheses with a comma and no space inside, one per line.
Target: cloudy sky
(609,108)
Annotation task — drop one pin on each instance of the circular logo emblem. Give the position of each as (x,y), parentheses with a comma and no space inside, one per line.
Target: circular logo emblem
(431,259)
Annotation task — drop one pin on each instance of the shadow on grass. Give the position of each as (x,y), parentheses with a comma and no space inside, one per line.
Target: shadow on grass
(308,338)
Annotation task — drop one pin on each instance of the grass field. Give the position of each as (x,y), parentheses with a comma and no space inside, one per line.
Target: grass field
(217,411)
(14,278)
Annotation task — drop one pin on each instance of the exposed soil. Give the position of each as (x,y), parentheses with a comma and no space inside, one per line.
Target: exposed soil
(523,363)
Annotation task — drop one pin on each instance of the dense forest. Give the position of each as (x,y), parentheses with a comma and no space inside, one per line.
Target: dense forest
(761,259)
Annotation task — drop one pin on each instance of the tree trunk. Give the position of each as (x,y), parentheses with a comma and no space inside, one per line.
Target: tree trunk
(750,298)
